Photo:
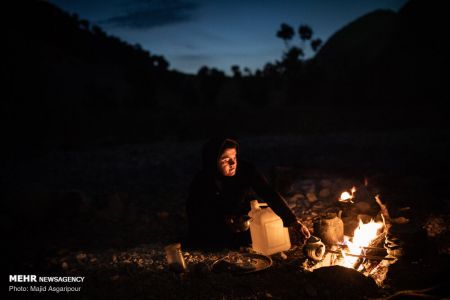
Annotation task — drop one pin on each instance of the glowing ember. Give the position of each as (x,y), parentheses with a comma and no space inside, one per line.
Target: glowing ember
(363,235)
(345,196)
(348,197)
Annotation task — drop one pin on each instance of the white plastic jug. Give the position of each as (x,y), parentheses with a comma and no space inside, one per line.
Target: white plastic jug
(268,234)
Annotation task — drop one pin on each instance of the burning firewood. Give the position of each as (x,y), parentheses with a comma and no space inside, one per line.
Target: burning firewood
(384,213)
(371,257)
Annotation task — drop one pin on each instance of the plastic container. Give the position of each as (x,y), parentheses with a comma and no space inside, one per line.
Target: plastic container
(268,234)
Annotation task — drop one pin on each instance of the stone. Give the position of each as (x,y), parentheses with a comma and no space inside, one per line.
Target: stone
(311,197)
(304,185)
(435,226)
(140,262)
(81,257)
(297,197)
(324,193)
(325,183)
(115,277)
(400,220)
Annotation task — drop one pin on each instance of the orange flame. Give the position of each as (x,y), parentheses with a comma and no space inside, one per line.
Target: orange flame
(362,237)
(348,197)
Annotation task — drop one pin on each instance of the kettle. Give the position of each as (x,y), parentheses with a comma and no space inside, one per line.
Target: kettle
(314,248)
(330,228)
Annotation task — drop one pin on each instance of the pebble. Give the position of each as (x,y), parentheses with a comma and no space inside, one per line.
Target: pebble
(326,183)
(115,277)
(140,262)
(81,257)
(296,197)
(311,197)
(400,220)
(324,193)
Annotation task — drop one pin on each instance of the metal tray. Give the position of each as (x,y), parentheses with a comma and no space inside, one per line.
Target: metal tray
(242,263)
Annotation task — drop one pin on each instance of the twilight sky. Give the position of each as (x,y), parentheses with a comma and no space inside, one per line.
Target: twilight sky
(218,33)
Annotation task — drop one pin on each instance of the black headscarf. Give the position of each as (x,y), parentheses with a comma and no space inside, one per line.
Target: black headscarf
(212,151)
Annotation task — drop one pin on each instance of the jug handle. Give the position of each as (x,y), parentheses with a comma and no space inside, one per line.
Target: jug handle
(340,214)
(322,251)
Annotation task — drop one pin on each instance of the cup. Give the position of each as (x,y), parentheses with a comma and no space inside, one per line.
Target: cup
(314,248)
(175,258)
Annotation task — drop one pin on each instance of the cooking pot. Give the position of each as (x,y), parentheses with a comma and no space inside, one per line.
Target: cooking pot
(330,228)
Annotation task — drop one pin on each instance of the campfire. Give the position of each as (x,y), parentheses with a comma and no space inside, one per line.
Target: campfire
(370,249)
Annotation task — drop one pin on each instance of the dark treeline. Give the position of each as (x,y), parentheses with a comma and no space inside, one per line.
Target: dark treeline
(68,81)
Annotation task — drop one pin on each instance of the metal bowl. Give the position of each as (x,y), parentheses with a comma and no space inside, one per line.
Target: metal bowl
(242,263)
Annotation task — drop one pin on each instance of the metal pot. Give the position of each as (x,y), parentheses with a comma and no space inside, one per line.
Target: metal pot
(330,228)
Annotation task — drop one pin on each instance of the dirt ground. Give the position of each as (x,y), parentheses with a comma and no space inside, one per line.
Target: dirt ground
(106,213)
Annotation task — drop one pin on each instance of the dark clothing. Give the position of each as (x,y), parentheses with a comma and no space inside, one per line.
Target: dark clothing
(212,197)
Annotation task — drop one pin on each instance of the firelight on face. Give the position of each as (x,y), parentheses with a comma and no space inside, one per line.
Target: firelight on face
(227,163)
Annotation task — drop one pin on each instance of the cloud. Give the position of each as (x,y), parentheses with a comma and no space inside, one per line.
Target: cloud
(203,58)
(150,14)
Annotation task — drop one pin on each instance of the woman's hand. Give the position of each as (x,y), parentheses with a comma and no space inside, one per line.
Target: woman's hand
(301,231)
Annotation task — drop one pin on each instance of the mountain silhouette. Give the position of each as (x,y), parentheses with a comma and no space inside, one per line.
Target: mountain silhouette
(69,82)
(389,57)
(64,75)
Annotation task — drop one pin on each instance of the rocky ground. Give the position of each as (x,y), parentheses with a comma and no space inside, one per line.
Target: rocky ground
(106,212)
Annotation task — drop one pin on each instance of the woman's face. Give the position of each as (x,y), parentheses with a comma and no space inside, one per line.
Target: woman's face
(227,164)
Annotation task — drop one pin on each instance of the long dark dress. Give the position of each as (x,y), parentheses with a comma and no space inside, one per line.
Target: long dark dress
(212,197)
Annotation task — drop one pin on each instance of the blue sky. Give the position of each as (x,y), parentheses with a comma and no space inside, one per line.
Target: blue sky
(218,33)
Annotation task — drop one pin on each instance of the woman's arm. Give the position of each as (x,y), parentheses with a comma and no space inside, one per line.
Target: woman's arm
(274,200)
(278,205)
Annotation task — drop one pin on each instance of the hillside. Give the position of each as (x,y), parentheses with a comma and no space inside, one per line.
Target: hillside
(69,83)
(395,57)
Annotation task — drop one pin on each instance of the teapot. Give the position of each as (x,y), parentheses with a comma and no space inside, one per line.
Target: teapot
(330,228)
(314,248)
